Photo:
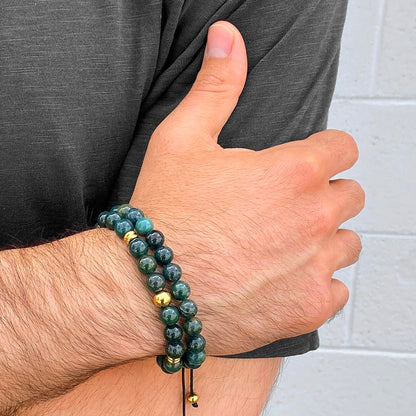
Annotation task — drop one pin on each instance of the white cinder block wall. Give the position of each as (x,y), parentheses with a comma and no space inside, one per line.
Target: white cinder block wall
(366,365)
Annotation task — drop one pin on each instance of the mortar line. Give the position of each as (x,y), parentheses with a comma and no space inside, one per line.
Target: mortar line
(366,351)
(398,101)
(386,234)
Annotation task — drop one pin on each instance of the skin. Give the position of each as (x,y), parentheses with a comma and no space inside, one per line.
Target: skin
(225,386)
(256,234)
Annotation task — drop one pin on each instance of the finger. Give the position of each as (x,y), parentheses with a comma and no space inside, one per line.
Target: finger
(337,150)
(215,92)
(326,153)
(340,295)
(349,197)
(344,249)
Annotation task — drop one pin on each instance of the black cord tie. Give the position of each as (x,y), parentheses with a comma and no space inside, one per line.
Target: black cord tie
(191,382)
(183,392)
(192,386)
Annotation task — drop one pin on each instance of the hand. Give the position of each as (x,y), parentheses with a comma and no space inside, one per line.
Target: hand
(255,232)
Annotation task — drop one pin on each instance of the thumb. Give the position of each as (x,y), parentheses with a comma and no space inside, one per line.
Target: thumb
(215,92)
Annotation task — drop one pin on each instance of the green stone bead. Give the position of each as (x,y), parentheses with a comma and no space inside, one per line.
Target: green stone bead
(188,308)
(155,239)
(147,264)
(192,326)
(175,350)
(173,333)
(159,360)
(144,226)
(169,315)
(163,255)
(123,210)
(134,214)
(180,290)
(114,208)
(196,344)
(171,367)
(172,272)
(102,216)
(156,282)
(195,359)
(138,247)
(112,217)
(122,226)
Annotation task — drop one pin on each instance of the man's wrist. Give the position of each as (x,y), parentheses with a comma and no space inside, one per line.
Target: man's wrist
(69,309)
(126,321)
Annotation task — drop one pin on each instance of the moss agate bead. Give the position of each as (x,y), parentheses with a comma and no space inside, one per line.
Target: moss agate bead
(172,272)
(188,308)
(196,344)
(192,326)
(122,226)
(156,282)
(175,350)
(180,290)
(112,217)
(134,214)
(171,367)
(155,239)
(195,359)
(147,264)
(114,208)
(169,315)
(144,225)
(101,218)
(173,333)
(163,255)
(123,210)
(138,247)
(160,359)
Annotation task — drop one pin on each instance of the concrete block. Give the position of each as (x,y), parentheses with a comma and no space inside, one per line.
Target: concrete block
(344,384)
(384,315)
(397,55)
(357,48)
(387,164)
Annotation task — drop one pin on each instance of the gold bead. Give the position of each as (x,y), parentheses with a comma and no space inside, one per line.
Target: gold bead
(173,360)
(162,298)
(130,235)
(193,398)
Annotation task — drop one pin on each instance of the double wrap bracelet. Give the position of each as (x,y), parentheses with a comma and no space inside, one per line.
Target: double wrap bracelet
(177,310)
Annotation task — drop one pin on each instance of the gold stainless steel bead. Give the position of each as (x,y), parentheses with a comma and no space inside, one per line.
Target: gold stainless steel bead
(130,235)
(162,298)
(173,360)
(193,398)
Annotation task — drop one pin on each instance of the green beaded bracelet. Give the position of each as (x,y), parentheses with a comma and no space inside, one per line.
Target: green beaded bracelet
(130,224)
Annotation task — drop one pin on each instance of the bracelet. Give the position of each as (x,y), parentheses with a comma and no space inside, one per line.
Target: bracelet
(129,223)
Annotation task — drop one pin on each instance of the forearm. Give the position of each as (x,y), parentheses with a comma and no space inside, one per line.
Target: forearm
(229,387)
(68,309)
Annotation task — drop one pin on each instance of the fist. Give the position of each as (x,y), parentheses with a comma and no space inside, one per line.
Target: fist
(256,233)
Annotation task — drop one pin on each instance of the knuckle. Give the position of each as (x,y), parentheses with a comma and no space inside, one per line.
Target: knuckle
(358,194)
(308,169)
(212,83)
(348,143)
(345,294)
(323,219)
(340,297)
(354,245)
(318,304)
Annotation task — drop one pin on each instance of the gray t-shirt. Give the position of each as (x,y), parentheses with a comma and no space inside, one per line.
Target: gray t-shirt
(84,83)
